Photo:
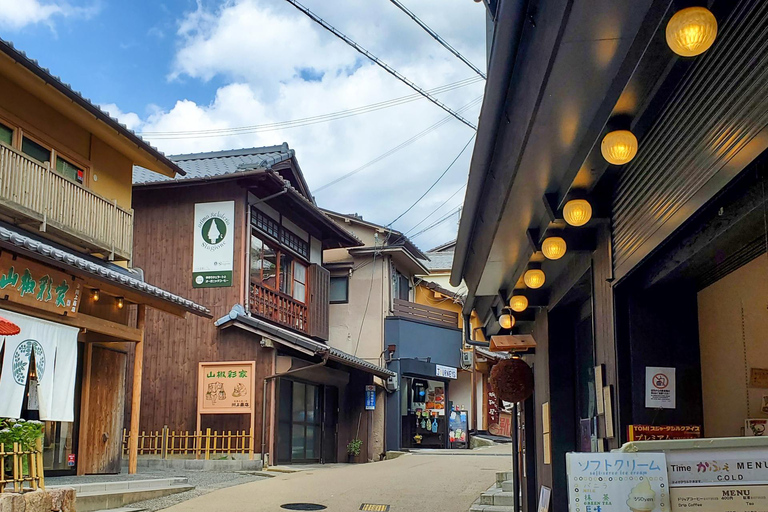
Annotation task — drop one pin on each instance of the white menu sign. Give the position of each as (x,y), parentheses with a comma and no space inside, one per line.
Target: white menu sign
(614,481)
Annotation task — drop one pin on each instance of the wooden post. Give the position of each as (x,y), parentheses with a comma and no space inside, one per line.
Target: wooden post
(83,449)
(164,441)
(40,470)
(138,368)
(473,397)
(207,443)
(16,468)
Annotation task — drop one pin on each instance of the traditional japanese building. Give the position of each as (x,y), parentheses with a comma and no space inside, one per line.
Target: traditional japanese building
(241,233)
(66,276)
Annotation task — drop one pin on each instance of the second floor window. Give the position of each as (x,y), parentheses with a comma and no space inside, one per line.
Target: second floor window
(34,150)
(6,134)
(277,270)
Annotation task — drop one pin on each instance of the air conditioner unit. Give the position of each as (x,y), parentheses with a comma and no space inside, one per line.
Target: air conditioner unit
(466,358)
(392,383)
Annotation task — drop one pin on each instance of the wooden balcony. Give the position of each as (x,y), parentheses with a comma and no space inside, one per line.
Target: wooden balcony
(31,193)
(310,318)
(423,313)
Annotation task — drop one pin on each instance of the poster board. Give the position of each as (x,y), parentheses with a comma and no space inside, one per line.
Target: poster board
(227,387)
(662,432)
(660,387)
(458,426)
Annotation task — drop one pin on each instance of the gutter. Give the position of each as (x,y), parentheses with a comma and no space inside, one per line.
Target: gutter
(468,334)
(509,28)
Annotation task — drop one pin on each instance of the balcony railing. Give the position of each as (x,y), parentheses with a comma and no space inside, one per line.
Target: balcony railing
(279,308)
(423,313)
(33,192)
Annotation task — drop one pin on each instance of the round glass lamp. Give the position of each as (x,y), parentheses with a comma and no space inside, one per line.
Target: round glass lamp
(518,303)
(619,147)
(534,278)
(691,31)
(506,321)
(577,212)
(553,247)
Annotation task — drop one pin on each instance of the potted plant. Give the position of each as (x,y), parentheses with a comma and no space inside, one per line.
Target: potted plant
(353,449)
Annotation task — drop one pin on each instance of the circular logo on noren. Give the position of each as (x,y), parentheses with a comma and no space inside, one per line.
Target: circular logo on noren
(214,231)
(21,357)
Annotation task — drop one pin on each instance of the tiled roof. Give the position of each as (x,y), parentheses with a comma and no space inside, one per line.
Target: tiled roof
(62,257)
(286,336)
(438,260)
(218,163)
(447,246)
(76,97)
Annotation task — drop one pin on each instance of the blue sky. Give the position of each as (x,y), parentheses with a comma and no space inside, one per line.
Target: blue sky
(182,66)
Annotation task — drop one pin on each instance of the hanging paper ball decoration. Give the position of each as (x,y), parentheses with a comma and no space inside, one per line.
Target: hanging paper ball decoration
(512,380)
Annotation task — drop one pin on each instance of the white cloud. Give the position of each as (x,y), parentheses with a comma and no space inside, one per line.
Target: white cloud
(17,14)
(260,49)
(130,119)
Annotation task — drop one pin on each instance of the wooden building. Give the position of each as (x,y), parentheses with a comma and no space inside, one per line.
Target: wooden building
(271,305)
(66,245)
(618,184)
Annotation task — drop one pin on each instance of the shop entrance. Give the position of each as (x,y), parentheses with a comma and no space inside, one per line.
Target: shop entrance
(307,422)
(424,422)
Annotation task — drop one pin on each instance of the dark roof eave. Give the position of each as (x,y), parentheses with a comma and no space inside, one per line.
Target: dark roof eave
(76,98)
(509,21)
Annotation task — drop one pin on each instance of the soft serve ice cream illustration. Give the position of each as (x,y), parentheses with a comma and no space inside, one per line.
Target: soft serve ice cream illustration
(642,498)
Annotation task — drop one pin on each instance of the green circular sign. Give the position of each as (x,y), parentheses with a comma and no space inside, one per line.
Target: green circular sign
(214,231)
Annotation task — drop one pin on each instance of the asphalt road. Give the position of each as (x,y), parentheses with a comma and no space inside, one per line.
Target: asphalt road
(434,481)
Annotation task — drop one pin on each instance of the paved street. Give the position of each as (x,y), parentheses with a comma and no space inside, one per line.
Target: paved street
(426,481)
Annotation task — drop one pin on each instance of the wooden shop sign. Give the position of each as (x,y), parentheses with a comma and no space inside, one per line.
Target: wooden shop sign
(33,284)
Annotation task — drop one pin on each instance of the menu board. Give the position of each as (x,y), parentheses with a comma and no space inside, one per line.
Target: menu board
(458,427)
(608,482)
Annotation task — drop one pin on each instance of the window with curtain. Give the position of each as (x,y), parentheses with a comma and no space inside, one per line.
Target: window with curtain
(286,274)
(299,282)
(264,261)
(69,170)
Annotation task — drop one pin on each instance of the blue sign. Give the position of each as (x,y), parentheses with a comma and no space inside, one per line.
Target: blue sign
(370,398)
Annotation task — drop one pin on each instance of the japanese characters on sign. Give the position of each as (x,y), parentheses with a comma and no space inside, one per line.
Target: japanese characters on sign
(659,432)
(660,388)
(718,466)
(225,388)
(213,252)
(370,398)
(606,482)
(32,284)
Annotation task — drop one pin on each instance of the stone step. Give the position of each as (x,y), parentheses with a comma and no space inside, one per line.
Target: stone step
(508,486)
(122,509)
(490,508)
(503,476)
(113,495)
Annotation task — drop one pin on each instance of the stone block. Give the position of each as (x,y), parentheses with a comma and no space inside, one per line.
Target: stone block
(503,476)
(12,502)
(508,486)
(37,501)
(70,498)
(57,498)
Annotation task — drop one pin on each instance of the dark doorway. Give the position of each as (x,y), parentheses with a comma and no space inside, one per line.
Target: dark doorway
(307,420)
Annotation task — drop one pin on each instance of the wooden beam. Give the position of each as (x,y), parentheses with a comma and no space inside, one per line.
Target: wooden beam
(83,446)
(83,321)
(138,369)
(130,295)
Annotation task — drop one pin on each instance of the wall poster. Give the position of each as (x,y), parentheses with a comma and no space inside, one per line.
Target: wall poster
(214,244)
(660,387)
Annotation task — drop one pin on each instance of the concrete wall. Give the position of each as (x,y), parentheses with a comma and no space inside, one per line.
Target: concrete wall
(733,320)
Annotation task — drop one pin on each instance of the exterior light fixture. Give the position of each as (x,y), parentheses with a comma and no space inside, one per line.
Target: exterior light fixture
(619,147)
(95,294)
(691,31)
(577,212)
(506,321)
(534,278)
(553,247)
(120,302)
(518,303)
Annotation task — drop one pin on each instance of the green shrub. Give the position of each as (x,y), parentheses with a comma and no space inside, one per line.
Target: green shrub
(354,447)
(26,433)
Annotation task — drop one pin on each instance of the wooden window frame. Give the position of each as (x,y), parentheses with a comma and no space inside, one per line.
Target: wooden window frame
(279,252)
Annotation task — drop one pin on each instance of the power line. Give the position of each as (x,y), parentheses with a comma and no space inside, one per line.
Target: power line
(435,182)
(437,37)
(400,146)
(295,123)
(386,67)
(440,221)
(435,210)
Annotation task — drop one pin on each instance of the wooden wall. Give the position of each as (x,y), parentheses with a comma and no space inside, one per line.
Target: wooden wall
(163,249)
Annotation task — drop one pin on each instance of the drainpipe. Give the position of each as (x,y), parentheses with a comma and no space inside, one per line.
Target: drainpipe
(264,397)
(468,333)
